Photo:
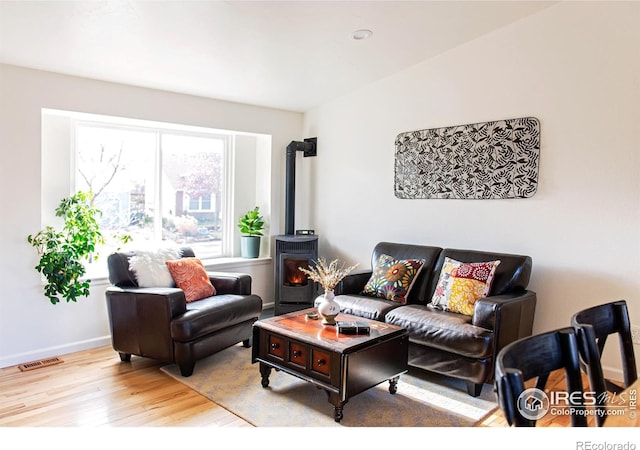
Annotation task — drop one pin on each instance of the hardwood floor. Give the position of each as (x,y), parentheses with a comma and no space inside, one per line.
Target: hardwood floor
(94,388)
(555,383)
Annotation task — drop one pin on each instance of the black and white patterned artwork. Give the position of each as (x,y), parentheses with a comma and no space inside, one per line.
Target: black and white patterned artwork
(489,160)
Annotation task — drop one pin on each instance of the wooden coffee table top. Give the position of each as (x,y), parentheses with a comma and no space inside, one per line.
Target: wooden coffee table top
(296,325)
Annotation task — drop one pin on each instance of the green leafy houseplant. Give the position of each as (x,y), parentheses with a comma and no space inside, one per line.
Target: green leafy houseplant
(252,223)
(62,252)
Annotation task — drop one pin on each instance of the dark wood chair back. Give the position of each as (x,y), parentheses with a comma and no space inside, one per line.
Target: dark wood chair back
(593,326)
(532,359)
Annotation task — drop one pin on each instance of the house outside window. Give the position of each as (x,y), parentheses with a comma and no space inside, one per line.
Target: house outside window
(156,184)
(156,181)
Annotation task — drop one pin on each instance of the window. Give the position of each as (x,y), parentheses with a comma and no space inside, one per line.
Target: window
(156,180)
(155,184)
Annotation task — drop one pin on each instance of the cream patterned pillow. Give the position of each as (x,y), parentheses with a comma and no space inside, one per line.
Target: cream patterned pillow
(150,268)
(461,284)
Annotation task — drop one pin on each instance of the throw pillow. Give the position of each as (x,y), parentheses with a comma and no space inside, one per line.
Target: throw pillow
(191,276)
(461,284)
(393,278)
(149,268)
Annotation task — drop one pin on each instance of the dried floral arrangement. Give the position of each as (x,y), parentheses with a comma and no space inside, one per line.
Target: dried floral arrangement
(328,275)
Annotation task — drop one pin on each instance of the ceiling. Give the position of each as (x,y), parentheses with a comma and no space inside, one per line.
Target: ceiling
(289,55)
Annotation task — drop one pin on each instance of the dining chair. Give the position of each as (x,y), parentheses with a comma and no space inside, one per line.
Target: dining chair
(532,359)
(593,326)
(599,322)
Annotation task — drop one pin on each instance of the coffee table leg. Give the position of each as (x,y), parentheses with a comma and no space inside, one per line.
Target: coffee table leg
(393,385)
(337,406)
(337,413)
(265,371)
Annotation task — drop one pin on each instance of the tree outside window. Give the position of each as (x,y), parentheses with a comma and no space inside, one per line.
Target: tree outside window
(155,184)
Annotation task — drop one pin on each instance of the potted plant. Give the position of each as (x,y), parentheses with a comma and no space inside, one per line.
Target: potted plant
(251,226)
(62,251)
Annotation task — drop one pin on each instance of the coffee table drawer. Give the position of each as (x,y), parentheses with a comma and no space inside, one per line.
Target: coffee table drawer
(275,346)
(298,354)
(320,361)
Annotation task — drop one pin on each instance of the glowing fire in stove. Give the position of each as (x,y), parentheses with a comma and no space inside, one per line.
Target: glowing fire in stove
(297,278)
(293,275)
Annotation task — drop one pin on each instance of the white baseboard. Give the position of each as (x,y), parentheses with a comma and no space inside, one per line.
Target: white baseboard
(613,374)
(49,352)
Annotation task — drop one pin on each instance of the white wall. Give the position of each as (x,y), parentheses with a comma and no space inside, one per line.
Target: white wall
(575,67)
(30,327)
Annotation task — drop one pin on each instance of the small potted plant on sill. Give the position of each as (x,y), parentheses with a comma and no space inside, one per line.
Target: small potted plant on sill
(251,226)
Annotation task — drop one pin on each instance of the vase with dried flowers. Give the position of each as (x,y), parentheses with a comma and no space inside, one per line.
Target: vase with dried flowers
(328,276)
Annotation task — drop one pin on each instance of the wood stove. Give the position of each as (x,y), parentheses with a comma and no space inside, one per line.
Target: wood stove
(294,290)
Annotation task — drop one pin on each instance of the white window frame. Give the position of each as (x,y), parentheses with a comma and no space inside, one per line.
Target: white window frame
(249,173)
(227,168)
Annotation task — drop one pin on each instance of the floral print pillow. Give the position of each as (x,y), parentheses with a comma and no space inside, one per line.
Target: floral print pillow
(461,284)
(392,279)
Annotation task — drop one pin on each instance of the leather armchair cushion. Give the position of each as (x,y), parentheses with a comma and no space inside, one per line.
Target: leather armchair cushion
(211,314)
(489,309)
(369,307)
(231,282)
(170,300)
(440,361)
(443,330)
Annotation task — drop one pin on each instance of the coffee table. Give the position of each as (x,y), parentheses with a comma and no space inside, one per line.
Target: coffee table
(342,365)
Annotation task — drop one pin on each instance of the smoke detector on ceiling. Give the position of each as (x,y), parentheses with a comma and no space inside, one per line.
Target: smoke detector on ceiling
(360,35)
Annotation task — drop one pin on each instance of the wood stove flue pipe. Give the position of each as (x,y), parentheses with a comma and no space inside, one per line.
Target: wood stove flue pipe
(309,148)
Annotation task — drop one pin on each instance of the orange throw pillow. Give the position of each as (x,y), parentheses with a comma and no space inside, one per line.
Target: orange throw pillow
(191,276)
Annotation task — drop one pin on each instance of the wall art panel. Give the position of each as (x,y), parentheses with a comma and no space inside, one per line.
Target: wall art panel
(488,160)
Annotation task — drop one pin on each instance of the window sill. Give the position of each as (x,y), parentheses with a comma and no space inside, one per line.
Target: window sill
(234,263)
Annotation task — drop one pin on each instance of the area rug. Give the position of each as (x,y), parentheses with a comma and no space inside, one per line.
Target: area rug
(229,379)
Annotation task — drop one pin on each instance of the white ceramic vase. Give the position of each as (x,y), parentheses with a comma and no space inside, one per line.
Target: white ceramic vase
(328,308)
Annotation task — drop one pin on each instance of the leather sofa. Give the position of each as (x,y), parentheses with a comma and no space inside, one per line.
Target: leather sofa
(158,323)
(444,342)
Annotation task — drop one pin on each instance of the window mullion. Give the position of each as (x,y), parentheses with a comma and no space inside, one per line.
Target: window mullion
(227,197)
(157,201)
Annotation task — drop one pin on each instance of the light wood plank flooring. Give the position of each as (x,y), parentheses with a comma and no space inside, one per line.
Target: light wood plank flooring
(93,388)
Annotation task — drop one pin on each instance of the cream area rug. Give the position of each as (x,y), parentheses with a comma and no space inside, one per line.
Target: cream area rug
(229,379)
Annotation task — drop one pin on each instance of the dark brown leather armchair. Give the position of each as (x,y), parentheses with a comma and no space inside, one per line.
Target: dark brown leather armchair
(158,323)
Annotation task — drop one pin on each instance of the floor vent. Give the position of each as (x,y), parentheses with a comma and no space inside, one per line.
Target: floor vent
(40,363)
